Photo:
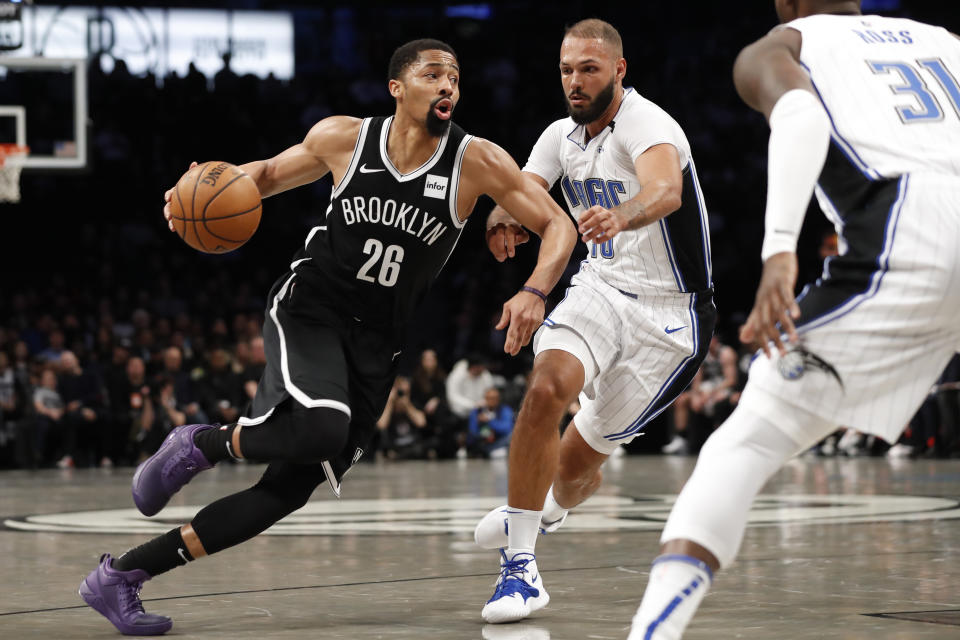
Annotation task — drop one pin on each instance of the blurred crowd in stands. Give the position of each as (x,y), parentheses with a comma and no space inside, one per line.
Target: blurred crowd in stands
(112,330)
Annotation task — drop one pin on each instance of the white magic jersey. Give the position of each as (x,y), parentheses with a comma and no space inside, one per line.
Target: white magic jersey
(877,329)
(858,63)
(672,255)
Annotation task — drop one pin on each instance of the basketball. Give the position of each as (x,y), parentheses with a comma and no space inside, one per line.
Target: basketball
(215,207)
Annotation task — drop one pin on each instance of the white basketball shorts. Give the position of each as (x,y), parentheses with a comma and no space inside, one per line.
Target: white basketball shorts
(877,330)
(639,352)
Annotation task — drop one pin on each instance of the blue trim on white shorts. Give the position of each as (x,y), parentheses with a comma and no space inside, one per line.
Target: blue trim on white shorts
(656,405)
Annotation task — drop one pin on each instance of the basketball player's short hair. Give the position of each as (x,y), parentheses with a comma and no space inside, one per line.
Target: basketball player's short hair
(599,29)
(405,55)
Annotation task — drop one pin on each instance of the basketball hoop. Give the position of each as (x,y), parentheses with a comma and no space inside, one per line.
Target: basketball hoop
(11,163)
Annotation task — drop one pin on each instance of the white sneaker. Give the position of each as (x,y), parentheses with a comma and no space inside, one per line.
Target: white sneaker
(829,447)
(519,589)
(900,450)
(676,447)
(850,443)
(492,531)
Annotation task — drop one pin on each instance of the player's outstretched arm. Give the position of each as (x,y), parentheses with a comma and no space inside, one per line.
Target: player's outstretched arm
(769,78)
(325,147)
(661,185)
(490,170)
(503,232)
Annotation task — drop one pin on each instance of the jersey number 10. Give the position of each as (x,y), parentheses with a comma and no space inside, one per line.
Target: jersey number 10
(389,269)
(929,109)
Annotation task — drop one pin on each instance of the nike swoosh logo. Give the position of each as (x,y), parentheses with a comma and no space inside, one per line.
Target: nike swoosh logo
(182,555)
(674,330)
(363,169)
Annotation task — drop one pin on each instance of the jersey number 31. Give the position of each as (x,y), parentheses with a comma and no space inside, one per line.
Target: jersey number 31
(389,268)
(928,108)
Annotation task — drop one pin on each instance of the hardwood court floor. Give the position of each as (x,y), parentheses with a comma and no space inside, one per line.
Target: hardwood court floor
(839,548)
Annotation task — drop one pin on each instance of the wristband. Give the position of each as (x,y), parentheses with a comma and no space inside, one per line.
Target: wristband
(536,292)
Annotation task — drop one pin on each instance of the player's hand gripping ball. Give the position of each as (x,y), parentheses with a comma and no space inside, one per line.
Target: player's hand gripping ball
(215,207)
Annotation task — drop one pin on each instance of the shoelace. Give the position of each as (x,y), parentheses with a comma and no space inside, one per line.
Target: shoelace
(130,598)
(514,569)
(511,568)
(180,461)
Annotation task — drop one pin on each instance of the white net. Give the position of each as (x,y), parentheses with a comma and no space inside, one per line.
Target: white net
(11,163)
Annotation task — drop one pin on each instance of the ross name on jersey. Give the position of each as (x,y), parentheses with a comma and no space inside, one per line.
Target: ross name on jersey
(389,212)
(880,37)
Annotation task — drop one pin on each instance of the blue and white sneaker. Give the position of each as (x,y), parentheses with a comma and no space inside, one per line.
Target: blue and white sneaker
(492,531)
(519,589)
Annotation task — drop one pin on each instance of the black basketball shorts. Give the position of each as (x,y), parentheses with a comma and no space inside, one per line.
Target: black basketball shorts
(320,358)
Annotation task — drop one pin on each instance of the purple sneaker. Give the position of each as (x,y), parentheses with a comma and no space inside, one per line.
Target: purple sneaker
(116,595)
(165,472)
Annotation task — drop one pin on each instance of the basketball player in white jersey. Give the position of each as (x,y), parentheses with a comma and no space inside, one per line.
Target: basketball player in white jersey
(635,323)
(865,111)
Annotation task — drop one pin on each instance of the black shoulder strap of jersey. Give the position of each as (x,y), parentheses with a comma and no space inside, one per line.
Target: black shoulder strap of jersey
(367,130)
(370,154)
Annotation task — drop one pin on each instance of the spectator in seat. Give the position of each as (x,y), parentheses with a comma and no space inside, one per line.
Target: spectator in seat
(466,385)
(82,396)
(184,387)
(222,389)
(490,427)
(49,413)
(401,424)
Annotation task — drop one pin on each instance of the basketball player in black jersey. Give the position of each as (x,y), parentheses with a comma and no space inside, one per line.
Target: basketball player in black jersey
(404,187)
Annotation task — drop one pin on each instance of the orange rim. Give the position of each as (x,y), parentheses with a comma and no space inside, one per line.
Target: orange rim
(10,149)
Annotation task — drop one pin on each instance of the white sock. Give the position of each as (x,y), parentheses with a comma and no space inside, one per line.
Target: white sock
(677,585)
(522,529)
(551,510)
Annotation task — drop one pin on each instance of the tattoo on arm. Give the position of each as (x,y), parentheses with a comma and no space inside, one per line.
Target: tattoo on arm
(635,212)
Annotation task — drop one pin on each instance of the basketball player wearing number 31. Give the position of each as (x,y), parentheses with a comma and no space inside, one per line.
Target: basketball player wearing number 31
(404,187)
(635,323)
(865,111)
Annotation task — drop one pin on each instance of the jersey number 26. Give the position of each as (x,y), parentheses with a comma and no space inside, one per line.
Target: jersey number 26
(389,268)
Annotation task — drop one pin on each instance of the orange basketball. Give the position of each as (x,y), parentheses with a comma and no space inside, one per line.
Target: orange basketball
(215,207)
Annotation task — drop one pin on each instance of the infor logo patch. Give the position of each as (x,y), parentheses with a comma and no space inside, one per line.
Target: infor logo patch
(435,187)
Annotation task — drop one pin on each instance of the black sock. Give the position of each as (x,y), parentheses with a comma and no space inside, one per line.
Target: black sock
(216,444)
(156,556)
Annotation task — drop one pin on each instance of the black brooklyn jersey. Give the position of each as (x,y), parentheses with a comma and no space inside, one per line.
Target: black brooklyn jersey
(387,235)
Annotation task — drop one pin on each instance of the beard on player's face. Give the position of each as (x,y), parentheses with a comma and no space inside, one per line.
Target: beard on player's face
(436,127)
(594,108)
